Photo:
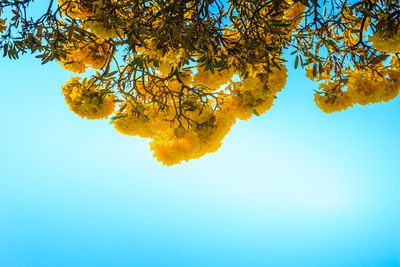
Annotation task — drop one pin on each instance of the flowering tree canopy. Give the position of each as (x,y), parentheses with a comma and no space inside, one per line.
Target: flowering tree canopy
(181,72)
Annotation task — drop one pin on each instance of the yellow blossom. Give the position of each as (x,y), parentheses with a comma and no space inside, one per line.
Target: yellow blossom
(367,87)
(212,80)
(194,142)
(329,102)
(86,100)
(75,8)
(95,55)
(386,42)
(102,30)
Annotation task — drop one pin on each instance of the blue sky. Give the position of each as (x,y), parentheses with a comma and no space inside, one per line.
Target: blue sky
(293,187)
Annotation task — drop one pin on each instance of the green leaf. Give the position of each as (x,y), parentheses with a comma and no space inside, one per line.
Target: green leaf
(314,70)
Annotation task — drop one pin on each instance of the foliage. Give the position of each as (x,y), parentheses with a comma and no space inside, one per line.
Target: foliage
(181,72)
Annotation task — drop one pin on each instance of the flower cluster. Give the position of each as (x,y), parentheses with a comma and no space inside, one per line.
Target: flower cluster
(172,140)
(76,9)
(331,98)
(93,54)
(362,86)
(211,80)
(87,100)
(386,42)
(193,143)
(255,95)
(367,87)
(294,14)
(201,123)
(95,16)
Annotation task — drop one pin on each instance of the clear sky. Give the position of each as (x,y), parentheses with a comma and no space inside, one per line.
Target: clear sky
(293,187)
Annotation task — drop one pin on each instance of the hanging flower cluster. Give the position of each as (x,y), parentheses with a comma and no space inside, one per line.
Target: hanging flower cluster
(388,43)
(186,123)
(371,79)
(87,100)
(94,54)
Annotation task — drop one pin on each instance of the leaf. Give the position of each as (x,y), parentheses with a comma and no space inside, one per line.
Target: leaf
(333,45)
(276,64)
(156,63)
(5,49)
(112,73)
(39,31)
(320,68)
(378,59)
(301,61)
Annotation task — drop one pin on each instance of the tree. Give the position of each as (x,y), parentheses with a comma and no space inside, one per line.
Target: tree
(181,72)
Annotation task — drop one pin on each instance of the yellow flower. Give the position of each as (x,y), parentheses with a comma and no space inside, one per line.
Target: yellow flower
(86,100)
(367,87)
(96,54)
(332,98)
(134,121)
(78,58)
(102,30)
(277,79)
(386,42)
(193,142)
(212,80)
(73,64)
(257,93)
(75,9)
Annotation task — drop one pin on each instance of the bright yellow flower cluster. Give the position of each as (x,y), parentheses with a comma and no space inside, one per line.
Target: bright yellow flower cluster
(332,98)
(138,120)
(102,30)
(78,58)
(86,99)
(193,143)
(212,80)
(385,42)
(93,15)
(172,140)
(78,9)
(364,87)
(200,126)
(257,93)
